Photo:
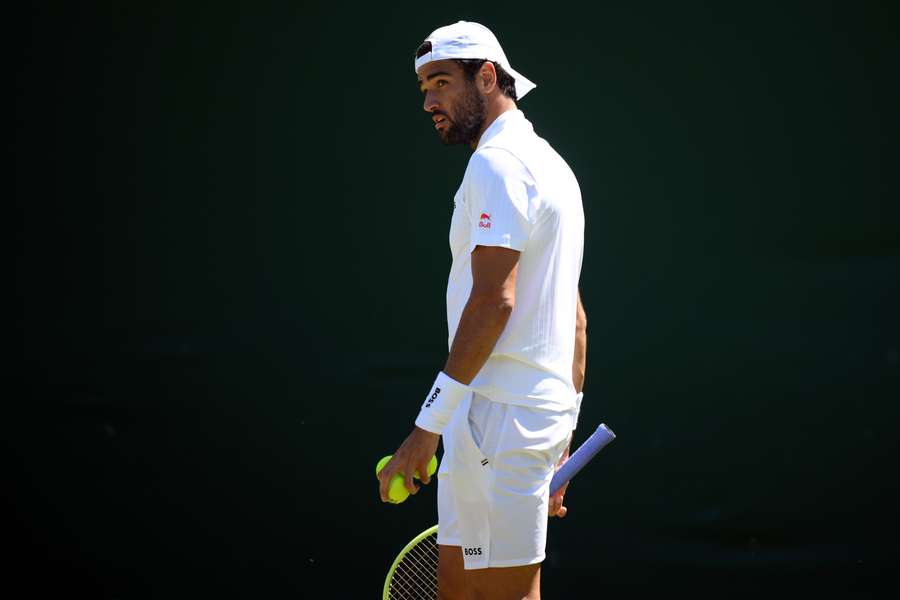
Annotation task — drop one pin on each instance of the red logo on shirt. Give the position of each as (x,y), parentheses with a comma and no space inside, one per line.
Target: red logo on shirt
(485,221)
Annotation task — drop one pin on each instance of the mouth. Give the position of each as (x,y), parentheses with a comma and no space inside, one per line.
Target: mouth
(440,121)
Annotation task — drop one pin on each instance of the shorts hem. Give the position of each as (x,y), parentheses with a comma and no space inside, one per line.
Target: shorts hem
(516,562)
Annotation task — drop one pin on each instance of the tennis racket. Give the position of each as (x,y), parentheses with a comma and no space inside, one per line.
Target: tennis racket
(413,573)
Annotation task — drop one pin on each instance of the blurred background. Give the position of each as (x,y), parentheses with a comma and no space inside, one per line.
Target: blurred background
(230,247)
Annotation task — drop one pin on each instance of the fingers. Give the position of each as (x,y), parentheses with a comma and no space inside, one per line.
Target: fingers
(555,505)
(556,508)
(384,479)
(410,484)
(396,467)
(424,477)
(388,473)
(411,461)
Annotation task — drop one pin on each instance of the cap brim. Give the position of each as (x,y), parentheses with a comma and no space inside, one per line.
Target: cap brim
(523,84)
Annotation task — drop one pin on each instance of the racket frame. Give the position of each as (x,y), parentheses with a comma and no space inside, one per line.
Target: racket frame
(602,436)
(412,544)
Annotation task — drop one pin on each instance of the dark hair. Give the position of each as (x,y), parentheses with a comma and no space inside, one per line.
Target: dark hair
(505,81)
(471,66)
(424,49)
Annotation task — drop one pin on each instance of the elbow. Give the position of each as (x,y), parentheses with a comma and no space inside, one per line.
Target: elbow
(502,304)
(580,317)
(581,323)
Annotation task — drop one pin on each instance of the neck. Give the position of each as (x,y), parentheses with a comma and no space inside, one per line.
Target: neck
(496,107)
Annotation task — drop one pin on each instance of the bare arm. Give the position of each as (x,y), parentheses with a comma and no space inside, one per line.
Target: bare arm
(579,365)
(578,370)
(486,313)
(484,317)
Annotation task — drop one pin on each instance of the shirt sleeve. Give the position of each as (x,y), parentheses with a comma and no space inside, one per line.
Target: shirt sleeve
(498,197)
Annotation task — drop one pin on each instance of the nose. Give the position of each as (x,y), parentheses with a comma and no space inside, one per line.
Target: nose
(430,104)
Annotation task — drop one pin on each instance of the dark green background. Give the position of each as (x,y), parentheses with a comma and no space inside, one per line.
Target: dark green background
(230,243)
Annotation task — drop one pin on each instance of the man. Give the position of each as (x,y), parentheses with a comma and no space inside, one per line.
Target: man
(507,399)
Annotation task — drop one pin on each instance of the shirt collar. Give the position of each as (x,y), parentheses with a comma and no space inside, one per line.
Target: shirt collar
(500,123)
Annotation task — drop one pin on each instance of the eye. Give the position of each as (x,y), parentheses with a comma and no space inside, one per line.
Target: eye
(441,83)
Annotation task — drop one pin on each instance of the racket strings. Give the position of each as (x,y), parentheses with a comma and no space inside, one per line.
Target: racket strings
(416,574)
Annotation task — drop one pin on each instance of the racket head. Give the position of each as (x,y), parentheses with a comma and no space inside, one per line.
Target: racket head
(414,572)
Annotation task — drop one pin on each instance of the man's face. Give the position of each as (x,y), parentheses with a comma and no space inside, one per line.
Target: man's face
(456,105)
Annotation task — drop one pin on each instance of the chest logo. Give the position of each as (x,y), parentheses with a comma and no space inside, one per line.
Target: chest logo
(485,221)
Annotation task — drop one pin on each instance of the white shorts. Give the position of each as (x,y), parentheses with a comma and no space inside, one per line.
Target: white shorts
(494,480)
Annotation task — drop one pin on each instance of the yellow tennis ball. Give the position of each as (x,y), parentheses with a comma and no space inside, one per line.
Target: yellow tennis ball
(432,467)
(381,464)
(397,491)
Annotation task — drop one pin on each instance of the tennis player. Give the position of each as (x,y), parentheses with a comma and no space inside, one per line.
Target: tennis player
(507,399)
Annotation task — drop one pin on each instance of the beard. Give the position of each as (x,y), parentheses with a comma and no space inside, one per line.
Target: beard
(468,119)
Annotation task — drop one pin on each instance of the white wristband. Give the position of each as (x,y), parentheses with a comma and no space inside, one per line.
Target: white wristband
(578,399)
(441,401)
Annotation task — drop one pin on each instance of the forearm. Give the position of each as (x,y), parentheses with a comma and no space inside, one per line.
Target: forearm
(483,320)
(579,364)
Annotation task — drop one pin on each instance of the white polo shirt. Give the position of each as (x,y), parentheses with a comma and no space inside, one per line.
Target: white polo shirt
(518,193)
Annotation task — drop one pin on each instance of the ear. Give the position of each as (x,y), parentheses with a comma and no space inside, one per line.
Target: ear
(488,77)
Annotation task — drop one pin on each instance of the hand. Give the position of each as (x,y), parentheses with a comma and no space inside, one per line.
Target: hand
(556,500)
(413,455)
(556,503)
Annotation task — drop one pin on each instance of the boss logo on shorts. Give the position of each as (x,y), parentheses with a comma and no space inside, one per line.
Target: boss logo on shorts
(474,551)
(433,397)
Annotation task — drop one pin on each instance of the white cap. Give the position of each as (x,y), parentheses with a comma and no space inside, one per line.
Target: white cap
(465,39)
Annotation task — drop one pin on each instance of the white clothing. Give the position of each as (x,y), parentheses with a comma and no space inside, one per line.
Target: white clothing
(494,480)
(465,39)
(518,193)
